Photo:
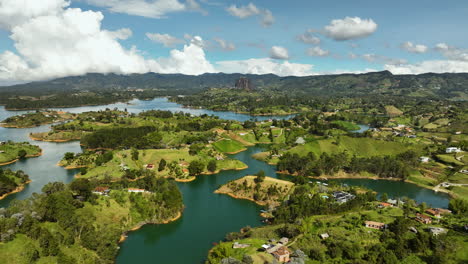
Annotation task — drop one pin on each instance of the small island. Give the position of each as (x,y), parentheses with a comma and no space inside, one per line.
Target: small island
(12,182)
(36,119)
(259,189)
(11,152)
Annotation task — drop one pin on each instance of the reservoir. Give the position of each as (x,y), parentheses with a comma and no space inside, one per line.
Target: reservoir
(207,217)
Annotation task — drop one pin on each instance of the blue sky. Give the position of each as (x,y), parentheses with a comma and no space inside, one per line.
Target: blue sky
(261,36)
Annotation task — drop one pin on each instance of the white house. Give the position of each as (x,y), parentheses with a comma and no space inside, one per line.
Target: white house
(452,150)
(424,159)
(136,190)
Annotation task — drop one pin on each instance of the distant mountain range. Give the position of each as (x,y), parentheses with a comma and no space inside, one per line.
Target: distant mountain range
(452,86)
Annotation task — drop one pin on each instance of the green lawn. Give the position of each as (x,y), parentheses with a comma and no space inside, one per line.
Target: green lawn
(228,146)
(9,151)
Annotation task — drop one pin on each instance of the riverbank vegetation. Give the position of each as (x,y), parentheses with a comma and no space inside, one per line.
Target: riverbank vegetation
(13,151)
(313,226)
(83,222)
(36,119)
(12,181)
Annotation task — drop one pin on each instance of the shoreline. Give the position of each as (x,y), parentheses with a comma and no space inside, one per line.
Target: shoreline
(240,198)
(124,236)
(17,190)
(371,178)
(52,140)
(27,156)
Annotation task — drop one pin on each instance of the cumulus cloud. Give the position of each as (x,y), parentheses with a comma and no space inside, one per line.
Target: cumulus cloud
(167,40)
(308,38)
(267,18)
(279,53)
(72,42)
(224,44)
(413,48)
(350,28)
(264,66)
(147,8)
(436,66)
(317,52)
(451,52)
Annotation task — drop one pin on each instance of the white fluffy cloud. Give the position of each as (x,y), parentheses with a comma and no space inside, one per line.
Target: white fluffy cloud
(451,52)
(72,42)
(165,39)
(264,66)
(279,53)
(267,18)
(317,52)
(147,8)
(436,66)
(414,48)
(308,38)
(350,28)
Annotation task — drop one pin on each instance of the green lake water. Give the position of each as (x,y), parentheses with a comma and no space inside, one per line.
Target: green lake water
(207,216)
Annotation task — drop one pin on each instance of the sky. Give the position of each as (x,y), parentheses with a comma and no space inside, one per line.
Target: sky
(46,39)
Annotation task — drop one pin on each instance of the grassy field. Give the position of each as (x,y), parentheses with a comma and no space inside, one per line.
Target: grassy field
(346,125)
(393,111)
(114,168)
(449,159)
(228,146)
(10,151)
(364,147)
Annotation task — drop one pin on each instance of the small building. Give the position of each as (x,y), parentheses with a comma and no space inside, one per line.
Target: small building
(343,197)
(324,236)
(239,245)
(282,254)
(2,142)
(423,218)
(424,159)
(384,205)
(375,225)
(458,133)
(284,240)
(300,141)
(433,212)
(413,229)
(435,231)
(101,190)
(149,166)
(452,150)
(136,190)
(464,171)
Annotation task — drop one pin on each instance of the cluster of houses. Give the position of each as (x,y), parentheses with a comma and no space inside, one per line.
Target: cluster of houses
(343,197)
(430,213)
(278,250)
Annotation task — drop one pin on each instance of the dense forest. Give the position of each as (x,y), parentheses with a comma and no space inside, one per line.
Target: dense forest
(67,223)
(104,89)
(11,180)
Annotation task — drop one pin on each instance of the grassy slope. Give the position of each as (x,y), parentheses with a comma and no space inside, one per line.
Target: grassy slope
(364,147)
(228,146)
(11,151)
(154,156)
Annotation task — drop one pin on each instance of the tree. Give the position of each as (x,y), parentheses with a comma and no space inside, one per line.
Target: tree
(260,177)
(422,207)
(196,167)
(459,206)
(162,165)
(22,153)
(69,156)
(134,154)
(212,165)
(384,197)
